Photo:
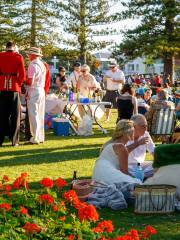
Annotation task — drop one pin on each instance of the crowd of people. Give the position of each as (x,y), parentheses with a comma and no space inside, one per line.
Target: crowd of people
(131,97)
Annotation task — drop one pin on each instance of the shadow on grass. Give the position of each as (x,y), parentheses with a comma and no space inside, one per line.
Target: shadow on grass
(51,155)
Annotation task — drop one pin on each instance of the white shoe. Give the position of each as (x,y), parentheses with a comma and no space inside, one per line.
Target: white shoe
(33,141)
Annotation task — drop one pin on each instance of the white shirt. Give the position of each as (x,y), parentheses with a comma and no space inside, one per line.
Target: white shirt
(37,71)
(117,75)
(73,78)
(86,84)
(139,153)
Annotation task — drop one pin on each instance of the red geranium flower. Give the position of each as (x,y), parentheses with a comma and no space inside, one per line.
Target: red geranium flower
(71,237)
(106,226)
(23,210)
(5,206)
(55,208)
(46,198)
(70,195)
(47,182)
(7,188)
(62,218)
(88,212)
(150,230)
(31,228)
(144,235)
(5,178)
(60,183)
(97,230)
(21,181)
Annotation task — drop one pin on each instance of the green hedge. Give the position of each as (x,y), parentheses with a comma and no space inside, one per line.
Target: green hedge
(166,154)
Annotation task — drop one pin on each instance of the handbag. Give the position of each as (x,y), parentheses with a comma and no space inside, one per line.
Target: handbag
(155,198)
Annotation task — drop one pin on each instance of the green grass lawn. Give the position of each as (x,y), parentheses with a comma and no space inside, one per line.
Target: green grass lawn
(60,156)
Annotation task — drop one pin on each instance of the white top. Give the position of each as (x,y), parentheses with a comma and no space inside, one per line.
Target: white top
(73,78)
(107,168)
(87,83)
(139,153)
(117,75)
(37,71)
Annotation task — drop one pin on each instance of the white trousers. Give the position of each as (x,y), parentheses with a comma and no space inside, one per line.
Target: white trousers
(36,111)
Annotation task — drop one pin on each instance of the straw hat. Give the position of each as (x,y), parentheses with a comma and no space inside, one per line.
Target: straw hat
(34,51)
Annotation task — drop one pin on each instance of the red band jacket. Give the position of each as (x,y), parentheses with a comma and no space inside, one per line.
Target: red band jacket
(12,71)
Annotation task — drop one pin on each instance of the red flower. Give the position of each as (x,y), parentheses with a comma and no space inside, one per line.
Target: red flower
(106,226)
(62,218)
(47,182)
(31,228)
(60,183)
(7,188)
(21,181)
(46,198)
(144,235)
(97,230)
(88,212)
(55,208)
(71,237)
(24,175)
(5,206)
(70,195)
(23,210)
(150,230)
(5,178)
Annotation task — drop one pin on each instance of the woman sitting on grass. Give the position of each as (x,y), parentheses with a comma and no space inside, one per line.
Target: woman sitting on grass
(112,164)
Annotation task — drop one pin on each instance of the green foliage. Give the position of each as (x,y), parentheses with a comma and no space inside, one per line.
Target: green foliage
(80,19)
(157,34)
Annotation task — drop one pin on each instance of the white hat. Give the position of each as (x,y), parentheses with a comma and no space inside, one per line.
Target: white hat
(113,64)
(34,51)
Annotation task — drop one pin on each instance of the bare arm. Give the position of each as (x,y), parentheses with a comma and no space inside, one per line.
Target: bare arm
(122,154)
(137,143)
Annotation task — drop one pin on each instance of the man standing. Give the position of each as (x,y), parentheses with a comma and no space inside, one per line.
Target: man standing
(36,95)
(74,76)
(12,75)
(114,79)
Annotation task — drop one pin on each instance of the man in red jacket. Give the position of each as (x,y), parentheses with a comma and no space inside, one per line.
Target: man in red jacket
(12,75)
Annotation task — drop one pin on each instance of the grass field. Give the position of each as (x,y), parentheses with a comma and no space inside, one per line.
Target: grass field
(60,156)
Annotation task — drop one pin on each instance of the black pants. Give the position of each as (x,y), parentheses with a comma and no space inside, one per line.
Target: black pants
(9,116)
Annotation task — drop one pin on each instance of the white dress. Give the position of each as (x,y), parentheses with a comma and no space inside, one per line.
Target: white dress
(107,168)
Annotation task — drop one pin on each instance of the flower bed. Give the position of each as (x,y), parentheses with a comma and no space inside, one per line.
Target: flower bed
(53,214)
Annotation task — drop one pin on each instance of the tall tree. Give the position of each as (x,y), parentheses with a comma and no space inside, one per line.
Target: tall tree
(5,21)
(158,34)
(34,22)
(84,19)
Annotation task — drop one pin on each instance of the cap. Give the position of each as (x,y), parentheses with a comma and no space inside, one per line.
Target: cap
(77,64)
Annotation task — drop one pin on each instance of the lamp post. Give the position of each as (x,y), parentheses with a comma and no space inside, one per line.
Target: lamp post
(55,61)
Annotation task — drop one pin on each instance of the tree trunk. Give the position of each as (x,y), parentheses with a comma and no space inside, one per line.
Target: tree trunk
(33,23)
(169,68)
(82,32)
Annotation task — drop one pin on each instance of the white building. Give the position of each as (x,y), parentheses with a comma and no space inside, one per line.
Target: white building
(139,65)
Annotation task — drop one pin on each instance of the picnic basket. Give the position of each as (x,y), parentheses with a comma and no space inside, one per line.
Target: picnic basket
(154,199)
(83,188)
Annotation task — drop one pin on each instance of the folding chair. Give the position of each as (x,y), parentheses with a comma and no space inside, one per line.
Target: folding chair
(163,123)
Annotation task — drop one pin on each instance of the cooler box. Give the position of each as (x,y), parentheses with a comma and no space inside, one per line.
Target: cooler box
(61,126)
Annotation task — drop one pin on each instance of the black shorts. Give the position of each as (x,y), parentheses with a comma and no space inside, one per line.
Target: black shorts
(111,96)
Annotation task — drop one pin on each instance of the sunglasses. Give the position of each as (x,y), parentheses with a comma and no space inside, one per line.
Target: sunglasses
(83,70)
(112,67)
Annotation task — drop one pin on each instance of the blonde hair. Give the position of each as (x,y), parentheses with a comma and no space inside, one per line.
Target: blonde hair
(122,127)
(85,67)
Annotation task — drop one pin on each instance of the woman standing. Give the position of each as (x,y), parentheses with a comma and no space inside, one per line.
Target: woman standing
(87,82)
(126,103)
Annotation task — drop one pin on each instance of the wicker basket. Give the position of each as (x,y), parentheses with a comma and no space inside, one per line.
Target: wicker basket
(83,188)
(155,199)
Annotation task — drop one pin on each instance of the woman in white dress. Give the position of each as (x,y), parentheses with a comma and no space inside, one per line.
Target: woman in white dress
(112,164)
